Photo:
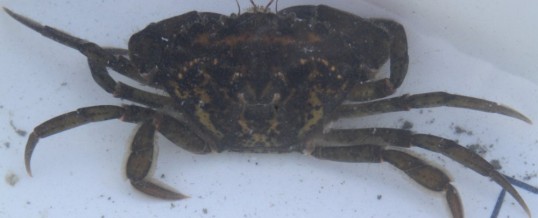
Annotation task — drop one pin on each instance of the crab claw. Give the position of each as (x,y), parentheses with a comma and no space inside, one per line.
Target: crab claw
(30,146)
(140,162)
(157,190)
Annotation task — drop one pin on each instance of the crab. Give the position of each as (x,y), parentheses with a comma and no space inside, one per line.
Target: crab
(265,82)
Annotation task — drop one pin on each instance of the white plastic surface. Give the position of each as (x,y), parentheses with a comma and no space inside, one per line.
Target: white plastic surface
(465,48)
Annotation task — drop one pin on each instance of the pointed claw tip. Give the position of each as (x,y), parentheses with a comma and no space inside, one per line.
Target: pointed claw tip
(523,118)
(28,170)
(180,196)
(173,195)
(516,114)
(158,191)
(29,149)
(9,12)
(529,121)
(506,185)
(527,210)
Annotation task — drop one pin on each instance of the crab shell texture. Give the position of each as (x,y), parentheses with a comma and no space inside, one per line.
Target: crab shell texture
(260,82)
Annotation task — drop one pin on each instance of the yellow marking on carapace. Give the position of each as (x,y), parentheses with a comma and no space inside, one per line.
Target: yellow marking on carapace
(255,139)
(177,90)
(273,126)
(324,61)
(244,125)
(314,74)
(202,94)
(205,120)
(202,39)
(280,76)
(260,138)
(316,112)
(193,62)
(312,38)
(180,94)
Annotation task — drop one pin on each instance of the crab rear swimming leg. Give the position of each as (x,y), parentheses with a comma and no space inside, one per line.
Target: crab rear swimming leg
(141,154)
(374,145)
(423,100)
(424,174)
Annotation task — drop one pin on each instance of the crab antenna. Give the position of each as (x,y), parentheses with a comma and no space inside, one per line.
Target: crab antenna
(254,5)
(267,6)
(238,7)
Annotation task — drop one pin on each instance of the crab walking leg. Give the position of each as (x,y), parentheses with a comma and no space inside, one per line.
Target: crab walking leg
(68,121)
(424,100)
(424,174)
(121,90)
(125,68)
(181,134)
(399,61)
(141,156)
(142,151)
(405,138)
(140,161)
(98,59)
(117,52)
